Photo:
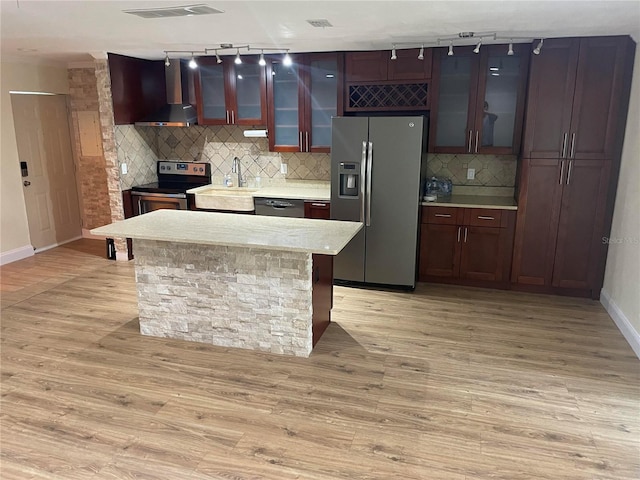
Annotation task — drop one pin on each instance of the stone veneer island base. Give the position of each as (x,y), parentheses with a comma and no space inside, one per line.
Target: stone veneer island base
(229,280)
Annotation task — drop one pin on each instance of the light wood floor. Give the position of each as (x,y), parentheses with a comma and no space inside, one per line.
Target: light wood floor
(446,383)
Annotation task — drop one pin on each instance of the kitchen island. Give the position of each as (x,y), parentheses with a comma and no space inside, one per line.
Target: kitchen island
(229,280)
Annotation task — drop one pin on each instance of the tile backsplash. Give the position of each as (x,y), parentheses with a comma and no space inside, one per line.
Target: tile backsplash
(141,147)
(491,170)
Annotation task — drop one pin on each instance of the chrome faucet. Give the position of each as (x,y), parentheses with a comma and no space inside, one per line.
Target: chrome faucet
(236,167)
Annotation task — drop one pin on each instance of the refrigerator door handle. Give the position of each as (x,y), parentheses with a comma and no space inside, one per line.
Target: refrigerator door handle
(369,162)
(363,176)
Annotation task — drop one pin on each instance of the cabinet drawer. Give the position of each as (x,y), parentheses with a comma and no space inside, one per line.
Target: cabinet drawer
(442,215)
(483,217)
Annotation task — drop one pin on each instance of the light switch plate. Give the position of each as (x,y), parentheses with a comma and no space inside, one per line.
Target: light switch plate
(283,168)
(471,173)
(124,169)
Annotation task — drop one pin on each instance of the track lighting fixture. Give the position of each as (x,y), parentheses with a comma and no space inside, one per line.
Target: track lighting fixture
(536,51)
(166,60)
(510,51)
(262,62)
(421,54)
(218,59)
(393,53)
(192,62)
(287,61)
(477,49)
(238,60)
(450,52)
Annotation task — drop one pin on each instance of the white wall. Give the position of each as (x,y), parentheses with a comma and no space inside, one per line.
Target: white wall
(621,290)
(14,228)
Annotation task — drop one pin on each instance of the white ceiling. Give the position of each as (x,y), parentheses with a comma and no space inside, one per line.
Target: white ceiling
(72,31)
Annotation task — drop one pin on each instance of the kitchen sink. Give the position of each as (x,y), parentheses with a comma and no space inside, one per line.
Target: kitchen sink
(236,199)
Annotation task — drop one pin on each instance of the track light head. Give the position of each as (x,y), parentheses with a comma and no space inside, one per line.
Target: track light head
(510,51)
(262,62)
(450,52)
(192,62)
(393,53)
(218,59)
(166,60)
(238,60)
(421,53)
(536,51)
(477,49)
(287,61)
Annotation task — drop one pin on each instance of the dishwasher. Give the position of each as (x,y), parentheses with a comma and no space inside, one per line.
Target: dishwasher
(279,207)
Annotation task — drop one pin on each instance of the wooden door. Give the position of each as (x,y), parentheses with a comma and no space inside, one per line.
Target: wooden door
(580,229)
(597,98)
(452,128)
(537,221)
(50,189)
(319,210)
(482,253)
(407,65)
(439,250)
(366,66)
(550,99)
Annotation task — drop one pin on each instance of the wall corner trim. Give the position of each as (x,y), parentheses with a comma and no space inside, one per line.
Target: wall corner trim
(16,254)
(621,321)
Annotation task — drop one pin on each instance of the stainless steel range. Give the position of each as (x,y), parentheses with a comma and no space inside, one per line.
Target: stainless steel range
(170,191)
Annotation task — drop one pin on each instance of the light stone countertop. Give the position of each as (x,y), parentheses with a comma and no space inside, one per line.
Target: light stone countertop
(474,201)
(292,189)
(325,237)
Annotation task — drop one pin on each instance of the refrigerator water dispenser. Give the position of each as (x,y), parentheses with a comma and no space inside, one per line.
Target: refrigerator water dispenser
(349,179)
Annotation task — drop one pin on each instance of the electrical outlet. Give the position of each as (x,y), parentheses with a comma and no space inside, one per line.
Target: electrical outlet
(471,173)
(283,168)
(124,169)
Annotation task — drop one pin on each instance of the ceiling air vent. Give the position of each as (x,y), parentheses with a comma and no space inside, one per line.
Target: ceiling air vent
(320,23)
(184,11)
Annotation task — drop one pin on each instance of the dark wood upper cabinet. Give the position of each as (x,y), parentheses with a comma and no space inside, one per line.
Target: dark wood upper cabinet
(231,94)
(575,98)
(478,99)
(138,87)
(302,99)
(377,66)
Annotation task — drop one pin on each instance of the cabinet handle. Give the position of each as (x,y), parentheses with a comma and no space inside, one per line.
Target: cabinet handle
(443,215)
(233,117)
(318,204)
(470,134)
(573,145)
(483,217)
(307,137)
(477,135)
(561,172)
(300,141)
(227,116)
(569,171)
(459,234)
(565,137)
(465,234)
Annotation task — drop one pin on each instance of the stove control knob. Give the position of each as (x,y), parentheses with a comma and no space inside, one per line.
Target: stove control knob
(168,167)
(162,167)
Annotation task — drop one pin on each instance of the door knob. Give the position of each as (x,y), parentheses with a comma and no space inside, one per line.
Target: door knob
(26,183)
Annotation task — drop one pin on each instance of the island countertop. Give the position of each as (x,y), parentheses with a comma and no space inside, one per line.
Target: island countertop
(325,237)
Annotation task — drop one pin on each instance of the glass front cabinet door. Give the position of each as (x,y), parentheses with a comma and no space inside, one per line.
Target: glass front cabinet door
(304,96)
(479,104)
(231,94)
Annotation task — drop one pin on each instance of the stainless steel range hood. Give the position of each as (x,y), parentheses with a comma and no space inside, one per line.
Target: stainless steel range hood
(178,112)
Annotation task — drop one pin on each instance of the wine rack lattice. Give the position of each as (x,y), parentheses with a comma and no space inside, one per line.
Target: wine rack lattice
(383,96)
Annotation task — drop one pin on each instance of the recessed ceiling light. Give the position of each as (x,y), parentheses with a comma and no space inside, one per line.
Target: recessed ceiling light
(320,23)
(181,11)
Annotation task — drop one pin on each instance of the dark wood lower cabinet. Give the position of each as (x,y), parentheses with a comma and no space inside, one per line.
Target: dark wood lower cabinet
(559,244)
(466,252)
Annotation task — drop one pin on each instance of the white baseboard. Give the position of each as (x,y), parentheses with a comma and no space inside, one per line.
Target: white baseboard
(16,254)
(49,247)
(621,321)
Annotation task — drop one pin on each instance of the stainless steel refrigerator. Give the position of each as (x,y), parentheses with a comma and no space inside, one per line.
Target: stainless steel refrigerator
(377,168)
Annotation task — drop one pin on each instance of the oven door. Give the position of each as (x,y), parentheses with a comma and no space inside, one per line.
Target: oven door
(144,202)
